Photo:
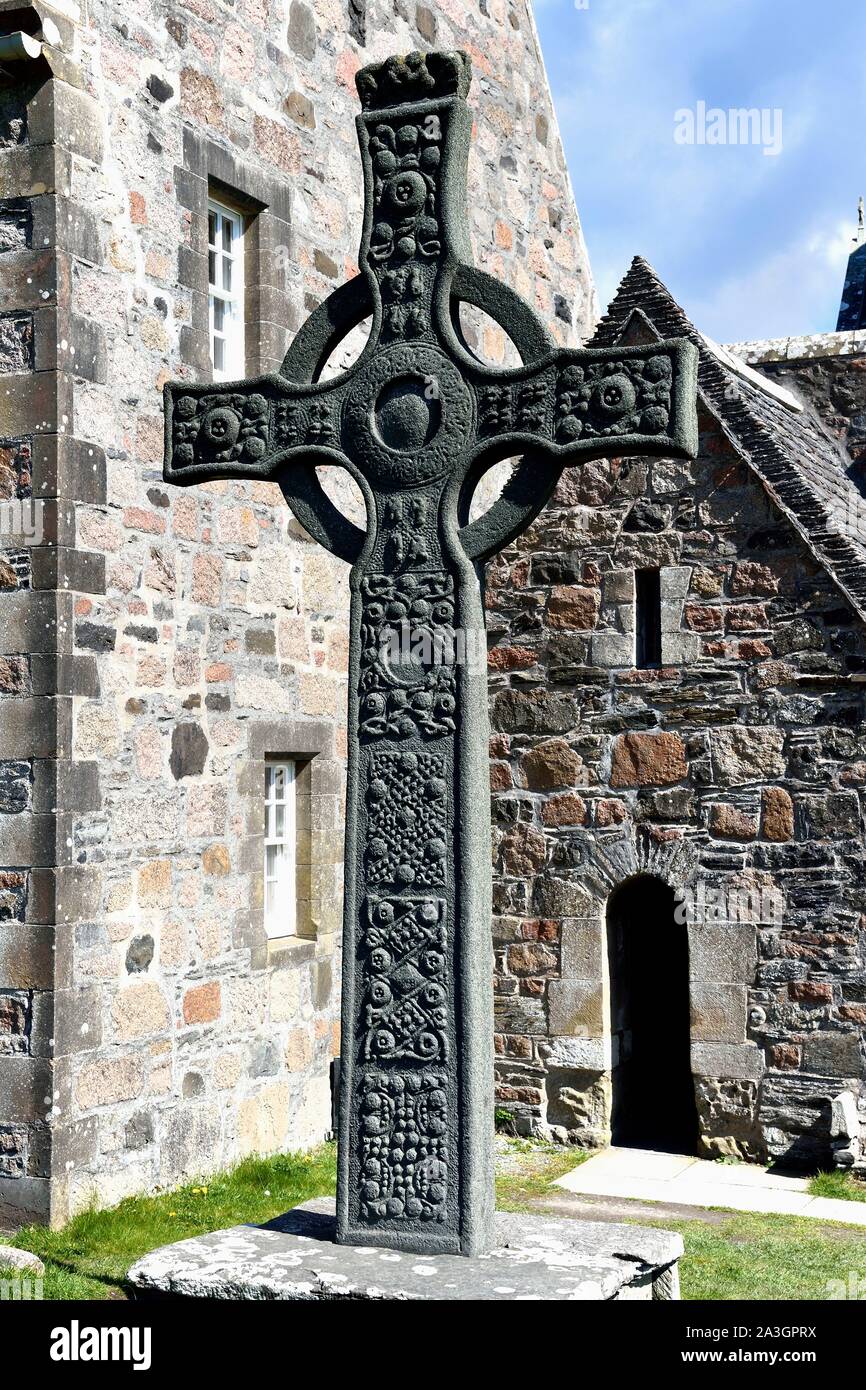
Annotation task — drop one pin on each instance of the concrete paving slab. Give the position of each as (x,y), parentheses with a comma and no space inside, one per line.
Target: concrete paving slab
(835,1209)
(639,1163)
(742,1175)
(679,1180)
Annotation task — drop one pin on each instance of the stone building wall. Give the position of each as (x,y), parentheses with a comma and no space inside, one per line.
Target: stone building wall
(161,643)
(739,764)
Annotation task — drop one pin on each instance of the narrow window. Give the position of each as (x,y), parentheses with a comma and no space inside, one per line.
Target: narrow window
(648,618)
(225,259)
(281,907)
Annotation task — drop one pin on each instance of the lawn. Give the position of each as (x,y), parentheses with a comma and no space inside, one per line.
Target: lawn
(526,1168)
(754,1257)
(729,1257)
(89,1257)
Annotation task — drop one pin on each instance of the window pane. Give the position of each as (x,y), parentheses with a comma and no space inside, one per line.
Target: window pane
(274,855)
(226,278)
(279,850)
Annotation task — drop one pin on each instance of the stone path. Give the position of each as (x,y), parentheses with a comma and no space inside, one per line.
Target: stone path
(643,1175)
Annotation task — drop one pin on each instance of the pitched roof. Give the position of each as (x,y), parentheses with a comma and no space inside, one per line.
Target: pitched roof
(804,470)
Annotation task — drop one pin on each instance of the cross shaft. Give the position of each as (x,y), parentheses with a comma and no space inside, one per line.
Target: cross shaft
(417,421)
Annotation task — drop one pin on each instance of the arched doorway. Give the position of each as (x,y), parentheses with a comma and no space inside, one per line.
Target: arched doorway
(648,960)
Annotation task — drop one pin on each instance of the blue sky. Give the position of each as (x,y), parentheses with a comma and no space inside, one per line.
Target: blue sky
(752,245)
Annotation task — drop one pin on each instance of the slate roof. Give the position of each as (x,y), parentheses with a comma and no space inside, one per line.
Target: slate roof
(804,470)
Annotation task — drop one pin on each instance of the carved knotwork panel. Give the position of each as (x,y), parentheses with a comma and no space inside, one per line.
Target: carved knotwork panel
(408,680)
(406,1014)
(407,820)
(625,396)
(404,1142)
(225,427)
(406,239)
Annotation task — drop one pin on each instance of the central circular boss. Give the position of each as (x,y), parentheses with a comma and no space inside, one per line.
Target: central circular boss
(408,416)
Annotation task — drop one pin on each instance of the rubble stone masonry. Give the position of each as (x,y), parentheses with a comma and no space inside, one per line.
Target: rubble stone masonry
(735,771)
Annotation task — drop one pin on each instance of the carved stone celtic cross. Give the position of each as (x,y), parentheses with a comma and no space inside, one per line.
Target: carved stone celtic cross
(416,422)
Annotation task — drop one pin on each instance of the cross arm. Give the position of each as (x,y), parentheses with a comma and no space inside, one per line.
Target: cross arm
(270,429)
(573,405)
(249,429)
(581,403)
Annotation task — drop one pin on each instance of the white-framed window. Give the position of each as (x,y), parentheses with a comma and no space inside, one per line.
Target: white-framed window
(281,908)
(225,273)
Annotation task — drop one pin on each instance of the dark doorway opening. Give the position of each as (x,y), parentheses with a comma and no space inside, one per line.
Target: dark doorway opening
(648,958)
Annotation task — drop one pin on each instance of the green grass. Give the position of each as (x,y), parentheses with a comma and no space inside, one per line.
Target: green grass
(90,1256)
(840,1185)
(526,1168)
(765,1258)
(736,1256)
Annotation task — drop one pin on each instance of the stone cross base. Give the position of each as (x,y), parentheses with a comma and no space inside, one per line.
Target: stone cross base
(296,1258)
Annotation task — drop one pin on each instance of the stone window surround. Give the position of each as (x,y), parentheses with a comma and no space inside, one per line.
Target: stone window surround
(211,170)
(722,968)
(310,744)
(615,646)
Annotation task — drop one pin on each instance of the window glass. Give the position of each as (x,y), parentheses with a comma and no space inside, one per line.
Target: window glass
(225,291)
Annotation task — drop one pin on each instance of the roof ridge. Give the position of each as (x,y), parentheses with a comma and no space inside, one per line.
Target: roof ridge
(808,499)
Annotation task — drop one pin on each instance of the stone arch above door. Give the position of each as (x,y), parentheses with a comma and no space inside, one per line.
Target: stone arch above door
(609,859)
(727,1066)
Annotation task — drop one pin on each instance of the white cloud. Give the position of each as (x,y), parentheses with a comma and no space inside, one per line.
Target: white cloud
(724,225)
(796,286)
